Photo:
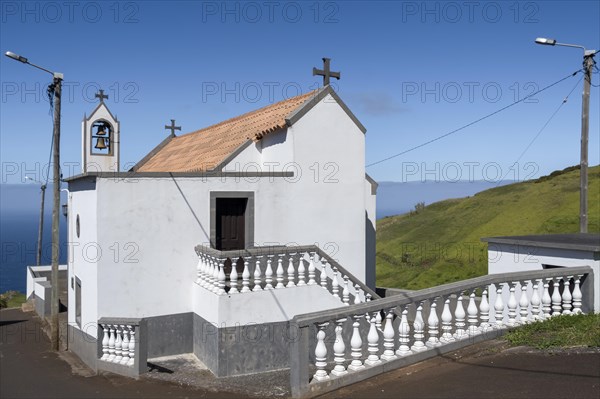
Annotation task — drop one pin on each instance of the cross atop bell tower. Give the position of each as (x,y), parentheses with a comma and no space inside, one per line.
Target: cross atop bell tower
(100,136)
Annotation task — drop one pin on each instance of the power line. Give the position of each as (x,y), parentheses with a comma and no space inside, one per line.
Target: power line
(472,123)
(563,102)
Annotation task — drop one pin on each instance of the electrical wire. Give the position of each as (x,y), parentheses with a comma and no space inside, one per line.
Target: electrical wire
(472,123)
(563,102)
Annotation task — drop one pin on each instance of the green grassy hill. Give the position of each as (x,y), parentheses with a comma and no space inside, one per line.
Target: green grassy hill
(440,243)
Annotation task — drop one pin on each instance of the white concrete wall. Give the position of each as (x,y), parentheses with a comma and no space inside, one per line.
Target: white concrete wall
(507,258)
(85,253)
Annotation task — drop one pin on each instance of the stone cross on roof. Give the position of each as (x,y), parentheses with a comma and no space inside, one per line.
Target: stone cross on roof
(101,95)
(325,72)
(172,127)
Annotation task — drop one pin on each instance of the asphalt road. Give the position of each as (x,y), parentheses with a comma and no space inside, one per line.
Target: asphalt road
(28,369)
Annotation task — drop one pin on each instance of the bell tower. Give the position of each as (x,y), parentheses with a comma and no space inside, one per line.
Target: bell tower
(100,139)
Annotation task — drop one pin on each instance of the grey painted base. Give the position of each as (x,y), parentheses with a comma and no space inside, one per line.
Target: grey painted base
(83,345)
(242,349)
(170,335)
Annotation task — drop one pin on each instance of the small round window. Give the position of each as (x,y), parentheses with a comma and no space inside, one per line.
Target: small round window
(77,228)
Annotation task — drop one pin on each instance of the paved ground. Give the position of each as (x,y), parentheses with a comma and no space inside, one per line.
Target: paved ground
(491,370)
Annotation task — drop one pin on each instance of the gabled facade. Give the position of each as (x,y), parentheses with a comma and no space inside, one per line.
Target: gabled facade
(283,184)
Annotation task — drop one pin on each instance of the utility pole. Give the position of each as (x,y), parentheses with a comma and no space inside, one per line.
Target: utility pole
(588,64)
(56,88)
(54,336)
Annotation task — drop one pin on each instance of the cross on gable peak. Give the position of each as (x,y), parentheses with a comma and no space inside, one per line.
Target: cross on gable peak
(172,127)
(101,95)
(326,72)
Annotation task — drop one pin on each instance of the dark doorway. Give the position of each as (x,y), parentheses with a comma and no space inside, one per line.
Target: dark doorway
(231,223)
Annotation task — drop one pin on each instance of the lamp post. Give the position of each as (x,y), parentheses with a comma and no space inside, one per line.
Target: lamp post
(56,86)
(588,63)
(38,259)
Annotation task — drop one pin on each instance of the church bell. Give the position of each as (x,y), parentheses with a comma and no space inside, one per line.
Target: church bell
(101,143)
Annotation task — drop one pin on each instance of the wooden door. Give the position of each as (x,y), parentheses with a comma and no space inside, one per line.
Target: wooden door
(231,223)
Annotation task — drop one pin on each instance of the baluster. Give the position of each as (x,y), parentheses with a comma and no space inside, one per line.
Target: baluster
(378,319)
(215,279)
(335,284)
(446,323)
(257,276)
(233,277)
(346,292)
(207,273)
(512,306)
(356,346)
(546,300)
(301,271)
(246,275)
(118,342)
(484,310)
(321,355)
(373,341)
(291,272)
(524,304)
(459,315)
(472,316)
(280,272)
(433,323)
(199,270)
(499,307)
(577,296)
(404,335)
(105,334)
(221,277)
(204,270)
(388,337)
(368,297)
(269,274)
(535,301)
(131,360)
(556,297)
(566,296)
(111,343)
(357,294)
(125,346)
(419,326)
(323,276)
(339,350)
(311,269)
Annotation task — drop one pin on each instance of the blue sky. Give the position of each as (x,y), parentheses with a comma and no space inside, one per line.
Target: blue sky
(411,71)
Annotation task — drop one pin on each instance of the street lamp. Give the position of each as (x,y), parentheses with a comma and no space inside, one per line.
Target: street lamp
(588,64)
(41,224)
(55,87)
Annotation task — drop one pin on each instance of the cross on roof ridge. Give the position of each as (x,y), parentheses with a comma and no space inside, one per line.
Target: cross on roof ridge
(326,72)
(172,127)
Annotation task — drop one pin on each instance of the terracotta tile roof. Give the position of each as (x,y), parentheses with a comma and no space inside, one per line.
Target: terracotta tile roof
(206,148)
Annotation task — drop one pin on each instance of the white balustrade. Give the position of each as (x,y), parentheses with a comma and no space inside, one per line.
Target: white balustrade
(321,355)
(566,296)
(221,277)
(111,343)
(215,276)
(373,341)
(499,308)
(279,272)
(356,346)
(257,276)
(311,269)
(419,326)
(105,334)
(335,284)
(512,306)
(524,304)
(118,344)
(556,297)
(459,315)
(446,323)
(269,274)
(472,316)
(535,301)
(339,351)
(357,299)
(346,292)
(246,276)
(404,334)
(433,324)
(233,277)
(132,343)
(577,296)
(291,271)
(125,346)
(484,310)
(323,276)
(301,271)
(388,337)
(546,299)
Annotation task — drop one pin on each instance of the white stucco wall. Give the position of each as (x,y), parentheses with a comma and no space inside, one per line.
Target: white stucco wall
(508,258)
(83,258)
